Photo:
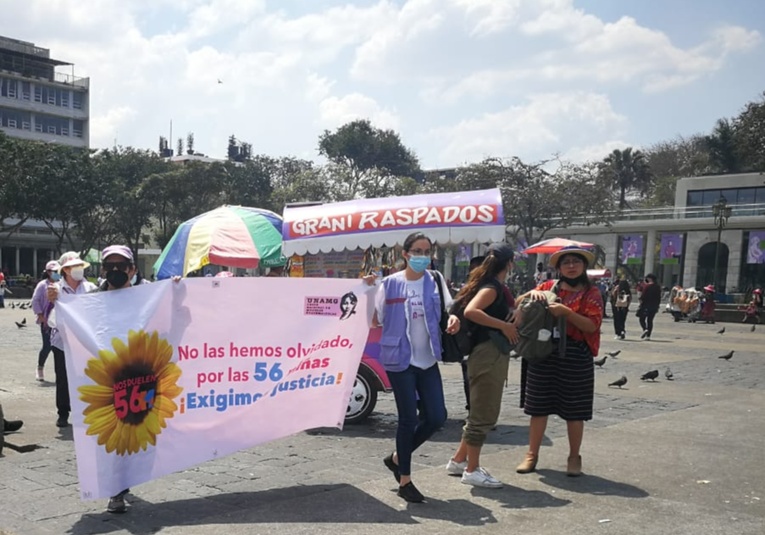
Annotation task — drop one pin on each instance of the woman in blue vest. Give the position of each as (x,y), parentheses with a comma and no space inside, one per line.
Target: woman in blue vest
(408,306)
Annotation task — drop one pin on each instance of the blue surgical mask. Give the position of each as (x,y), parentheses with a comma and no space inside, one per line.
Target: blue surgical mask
(419,263)
(55,276)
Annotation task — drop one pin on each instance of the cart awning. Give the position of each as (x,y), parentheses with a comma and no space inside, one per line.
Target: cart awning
(446,218)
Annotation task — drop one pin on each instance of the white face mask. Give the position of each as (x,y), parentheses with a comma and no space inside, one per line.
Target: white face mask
(133,280)
(77,273)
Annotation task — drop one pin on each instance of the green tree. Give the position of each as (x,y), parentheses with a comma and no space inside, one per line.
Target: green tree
(127,215)
(627,171)
(367,161)
(536,200)
(750,135)
(62,184)
(296,180)
(249,183)
(182,193)
(723,152)
(15,168)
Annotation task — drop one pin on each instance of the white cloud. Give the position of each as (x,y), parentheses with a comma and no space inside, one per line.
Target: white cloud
(106,127)
(545,125)
(336,111)
(462,78)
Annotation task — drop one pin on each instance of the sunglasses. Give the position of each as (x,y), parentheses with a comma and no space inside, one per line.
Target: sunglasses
(122,266)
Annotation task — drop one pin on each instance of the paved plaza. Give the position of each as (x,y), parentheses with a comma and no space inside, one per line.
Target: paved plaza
(679,457)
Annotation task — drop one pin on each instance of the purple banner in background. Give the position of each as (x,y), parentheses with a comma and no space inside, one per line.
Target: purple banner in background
(671,248)
(755,253)
(632,249)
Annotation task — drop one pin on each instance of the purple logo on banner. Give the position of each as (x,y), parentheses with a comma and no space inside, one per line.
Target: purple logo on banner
(632,249)
(671,248)
(755,254)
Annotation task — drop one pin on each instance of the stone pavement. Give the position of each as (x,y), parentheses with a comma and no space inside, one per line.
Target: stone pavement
(660,457)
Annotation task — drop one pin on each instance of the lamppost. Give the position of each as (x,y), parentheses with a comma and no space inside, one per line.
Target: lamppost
(721,212)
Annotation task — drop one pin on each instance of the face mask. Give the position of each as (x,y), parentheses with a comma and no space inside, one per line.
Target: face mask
(77,274)
(55,276)
(116,278)
(419,263)
(133,280)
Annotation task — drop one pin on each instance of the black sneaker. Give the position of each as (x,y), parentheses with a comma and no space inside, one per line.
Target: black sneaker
(410,493)
(393,467)
(644,335)
(9,426)
(117,503)
(62,421)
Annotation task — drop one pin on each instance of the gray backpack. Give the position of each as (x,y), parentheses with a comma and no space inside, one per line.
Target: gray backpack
(535,329)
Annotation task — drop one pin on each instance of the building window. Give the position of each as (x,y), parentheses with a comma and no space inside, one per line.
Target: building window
(65,99)
(38,127)
(38,94)
(77,100)
(26,91)
(64,131)
(51,129)
(26,125)
(12,123)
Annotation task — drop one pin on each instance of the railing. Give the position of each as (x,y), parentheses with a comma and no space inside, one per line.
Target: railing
(670,212)
(63,78)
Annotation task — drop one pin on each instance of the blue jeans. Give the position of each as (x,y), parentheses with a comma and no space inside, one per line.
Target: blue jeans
(409,387)
(46,347)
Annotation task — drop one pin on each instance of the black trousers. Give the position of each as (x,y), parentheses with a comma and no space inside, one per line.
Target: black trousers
(620,319)
(646,320)
(62,384)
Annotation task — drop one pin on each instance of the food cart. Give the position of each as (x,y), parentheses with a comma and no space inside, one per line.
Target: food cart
(340,239)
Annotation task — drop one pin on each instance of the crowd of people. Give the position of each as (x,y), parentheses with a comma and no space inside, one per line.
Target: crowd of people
(413,305)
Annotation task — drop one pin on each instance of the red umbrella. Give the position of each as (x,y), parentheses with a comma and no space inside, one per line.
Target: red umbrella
(553,245)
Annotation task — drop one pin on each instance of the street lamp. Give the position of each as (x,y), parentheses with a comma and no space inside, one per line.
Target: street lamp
(721,212)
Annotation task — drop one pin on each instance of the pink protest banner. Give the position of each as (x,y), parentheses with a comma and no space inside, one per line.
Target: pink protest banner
(168,375)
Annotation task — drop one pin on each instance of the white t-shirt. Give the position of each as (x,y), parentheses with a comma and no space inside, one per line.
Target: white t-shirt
(422,352)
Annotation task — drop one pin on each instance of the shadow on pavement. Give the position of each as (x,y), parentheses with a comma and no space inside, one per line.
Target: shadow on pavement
(589,484)
(321,504)
(517,498)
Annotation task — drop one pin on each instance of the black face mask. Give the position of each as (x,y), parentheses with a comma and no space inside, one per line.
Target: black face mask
(581,279)
(116,278)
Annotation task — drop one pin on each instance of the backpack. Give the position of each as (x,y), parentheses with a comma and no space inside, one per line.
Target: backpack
(535,316)
(464,337)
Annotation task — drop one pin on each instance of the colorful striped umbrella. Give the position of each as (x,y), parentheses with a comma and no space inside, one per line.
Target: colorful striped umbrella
(234,236)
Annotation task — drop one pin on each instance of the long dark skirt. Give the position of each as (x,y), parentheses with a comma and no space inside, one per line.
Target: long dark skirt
(560,385)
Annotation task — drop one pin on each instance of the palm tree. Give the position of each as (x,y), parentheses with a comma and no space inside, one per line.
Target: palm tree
(629,170)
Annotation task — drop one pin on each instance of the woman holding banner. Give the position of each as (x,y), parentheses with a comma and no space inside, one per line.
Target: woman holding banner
(409,308)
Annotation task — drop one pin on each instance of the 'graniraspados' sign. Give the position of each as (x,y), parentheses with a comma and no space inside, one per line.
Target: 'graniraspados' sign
(395,218)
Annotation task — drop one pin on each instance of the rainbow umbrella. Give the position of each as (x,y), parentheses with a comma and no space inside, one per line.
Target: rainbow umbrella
(234,236)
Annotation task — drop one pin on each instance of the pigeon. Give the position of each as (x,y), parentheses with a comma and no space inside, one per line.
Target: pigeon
(24,321)
(652,375)
(23,306)
(752,329)
(726,356)
(668,374)
(721,331)
(13,305)
(599,363)
(613,354)
(620,382)
(19,325)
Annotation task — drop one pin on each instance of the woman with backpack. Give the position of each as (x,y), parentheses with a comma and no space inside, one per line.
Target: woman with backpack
(485,305)
(564,384)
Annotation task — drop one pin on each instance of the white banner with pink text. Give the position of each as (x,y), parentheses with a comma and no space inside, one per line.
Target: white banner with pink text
(168,375)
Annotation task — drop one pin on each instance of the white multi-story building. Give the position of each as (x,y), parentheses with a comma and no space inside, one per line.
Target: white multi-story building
(37,102)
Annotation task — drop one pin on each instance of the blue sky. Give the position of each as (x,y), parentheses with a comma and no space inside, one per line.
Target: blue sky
(459,80)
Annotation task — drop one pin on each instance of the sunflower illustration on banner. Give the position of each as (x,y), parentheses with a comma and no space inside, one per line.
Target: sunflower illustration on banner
(132,398)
